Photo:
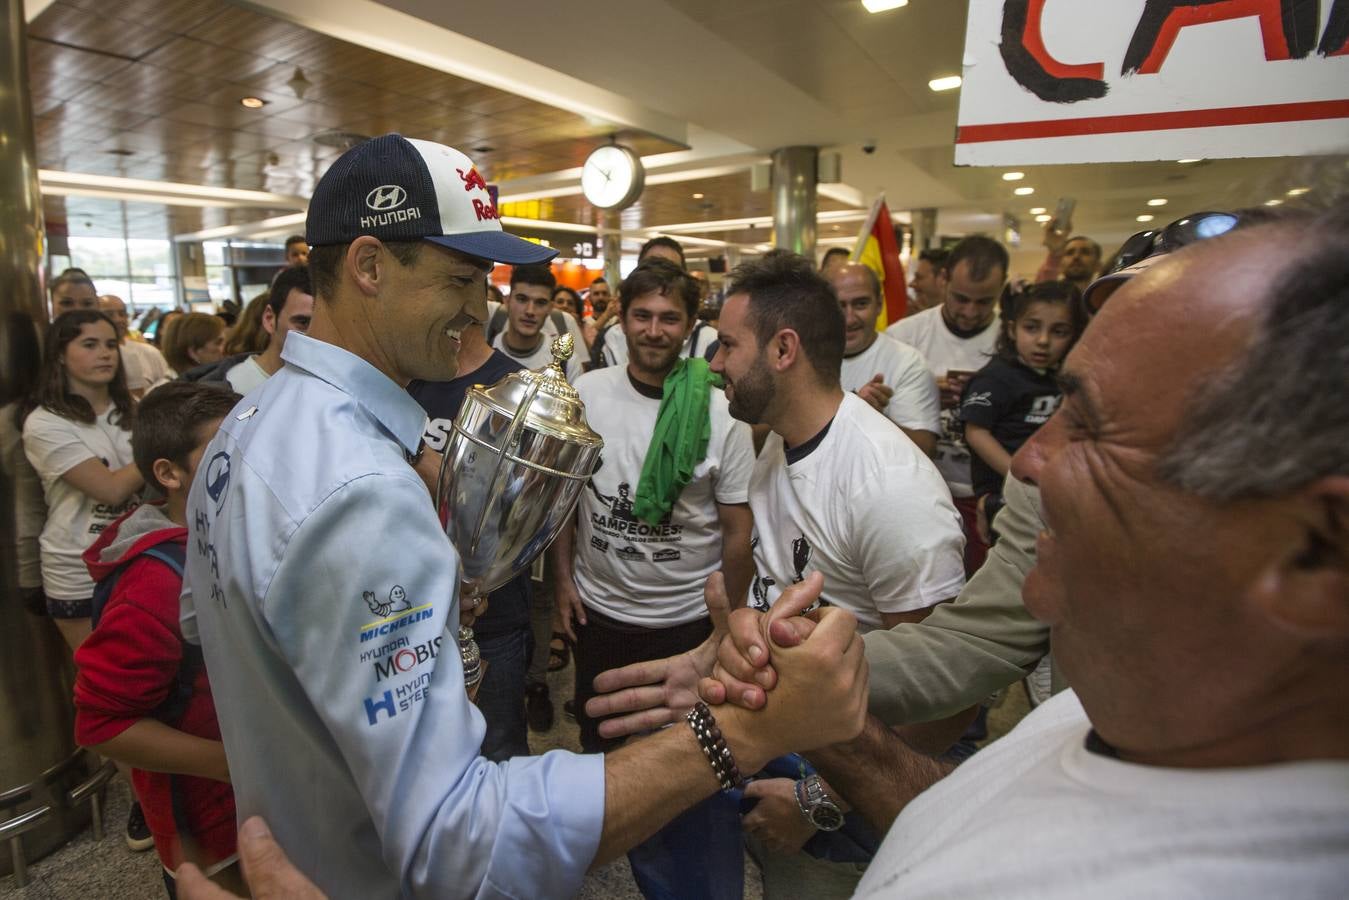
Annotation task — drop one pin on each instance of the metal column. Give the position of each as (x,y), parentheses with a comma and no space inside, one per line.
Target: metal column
(794,200)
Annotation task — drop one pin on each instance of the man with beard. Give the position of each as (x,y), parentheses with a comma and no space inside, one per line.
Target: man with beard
(663,513)
(1074,260)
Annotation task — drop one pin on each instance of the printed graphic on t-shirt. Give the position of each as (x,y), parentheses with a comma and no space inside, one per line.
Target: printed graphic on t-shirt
(762,586)
(620,526)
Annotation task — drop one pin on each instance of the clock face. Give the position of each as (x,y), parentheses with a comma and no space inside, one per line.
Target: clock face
(612,177)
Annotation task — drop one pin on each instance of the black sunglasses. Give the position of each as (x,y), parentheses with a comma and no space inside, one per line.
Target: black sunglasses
(1192,228)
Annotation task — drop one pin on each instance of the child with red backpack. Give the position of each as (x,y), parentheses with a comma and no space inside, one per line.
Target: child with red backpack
(141,694)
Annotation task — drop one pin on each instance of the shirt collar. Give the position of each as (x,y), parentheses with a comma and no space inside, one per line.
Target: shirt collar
(393,407)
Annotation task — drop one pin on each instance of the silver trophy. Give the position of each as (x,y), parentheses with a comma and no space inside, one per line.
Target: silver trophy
(513,470)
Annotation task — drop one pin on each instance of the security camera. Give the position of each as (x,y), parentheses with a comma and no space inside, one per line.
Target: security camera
(869,147)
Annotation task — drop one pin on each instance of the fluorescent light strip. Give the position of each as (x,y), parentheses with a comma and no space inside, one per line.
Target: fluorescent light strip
(263,226)
(127,188)
(161,199)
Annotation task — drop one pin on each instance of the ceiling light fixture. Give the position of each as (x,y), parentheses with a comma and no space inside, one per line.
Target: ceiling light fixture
(1159,201)
(1037,210)
(1013,176)
(698,196)
(1186,162)
(1043,217)
(878,6)
(1298,192)
(1024,191)
(948,83)
(1145,218)
(252,103)
(1274,203)
(299,84)
(79,184)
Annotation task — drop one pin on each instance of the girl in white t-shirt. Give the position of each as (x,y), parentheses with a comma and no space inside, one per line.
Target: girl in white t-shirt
(77,435)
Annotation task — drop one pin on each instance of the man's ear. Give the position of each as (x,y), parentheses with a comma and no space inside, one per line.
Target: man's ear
(365,264)
(268,319)
(169,476)
(1305,589)
(785,349)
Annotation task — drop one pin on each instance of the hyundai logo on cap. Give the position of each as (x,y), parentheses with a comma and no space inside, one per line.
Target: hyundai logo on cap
(385,197)
(403,189)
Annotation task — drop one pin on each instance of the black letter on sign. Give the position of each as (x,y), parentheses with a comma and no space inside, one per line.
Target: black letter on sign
(1288,28)
(1335,41)
(1027,60)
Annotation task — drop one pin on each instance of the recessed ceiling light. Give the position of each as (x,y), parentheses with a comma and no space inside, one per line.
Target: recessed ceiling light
(1037,210)
(1298,192)
(875,6)
(252,102)
(1274,203)
(1043,217)
(1013,176)
(1186,162)
(697,196)
(1146,218)
(838,227)
(1024,191)
(949,83)
(1159,201)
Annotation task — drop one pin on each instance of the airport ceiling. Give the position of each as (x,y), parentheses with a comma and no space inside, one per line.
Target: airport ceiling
(703,89)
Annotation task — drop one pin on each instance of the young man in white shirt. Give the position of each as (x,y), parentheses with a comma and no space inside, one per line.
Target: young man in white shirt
(289,308)
(891,376)
(836,489)
(529,306)
(957,338)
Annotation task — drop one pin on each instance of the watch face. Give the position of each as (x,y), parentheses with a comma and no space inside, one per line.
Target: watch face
(610,177)
(826,816)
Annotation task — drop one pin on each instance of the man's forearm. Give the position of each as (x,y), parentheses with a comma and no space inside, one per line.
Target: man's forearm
(878,773)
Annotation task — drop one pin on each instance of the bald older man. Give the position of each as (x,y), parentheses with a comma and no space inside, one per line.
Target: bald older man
(891,376)
(144,364)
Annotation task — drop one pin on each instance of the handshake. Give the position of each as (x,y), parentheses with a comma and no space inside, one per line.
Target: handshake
(803,678)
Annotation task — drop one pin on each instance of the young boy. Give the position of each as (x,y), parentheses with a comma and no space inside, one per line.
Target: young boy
(140,699)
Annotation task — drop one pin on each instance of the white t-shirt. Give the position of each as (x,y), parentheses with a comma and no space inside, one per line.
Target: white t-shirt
(543,355)
(1037,815)
(915,404)
(866,508)
(54,446)
(927,333)
(144,365)
(615,345)
(246,375)
(652,575)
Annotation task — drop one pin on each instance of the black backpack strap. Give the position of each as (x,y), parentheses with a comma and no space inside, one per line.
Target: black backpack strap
(597,360)
(560,322)
(497,323)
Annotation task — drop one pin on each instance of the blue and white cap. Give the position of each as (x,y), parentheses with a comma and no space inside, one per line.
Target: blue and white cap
(401,189)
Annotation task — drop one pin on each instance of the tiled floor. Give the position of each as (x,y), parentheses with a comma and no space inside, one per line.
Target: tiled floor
(107,870)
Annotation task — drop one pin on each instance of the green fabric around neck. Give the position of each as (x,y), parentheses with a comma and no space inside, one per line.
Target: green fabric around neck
(679,443)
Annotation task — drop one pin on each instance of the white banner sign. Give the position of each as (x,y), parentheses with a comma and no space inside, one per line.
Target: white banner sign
(1064,81)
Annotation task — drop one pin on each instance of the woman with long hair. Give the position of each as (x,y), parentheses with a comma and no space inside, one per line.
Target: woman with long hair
(77,435)
(248,335)
(195,339)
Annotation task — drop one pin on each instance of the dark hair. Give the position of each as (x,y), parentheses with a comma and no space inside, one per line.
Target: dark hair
(1082,237)
(982,253)
(52,391)
(661,240)
(785,291)
(577,306)
(293,239)
(935,257)
(325,263)
(600,280)
(1018,297)
(660,276)
(72,276)
(191,332)
(833,251)
(541,276)
(296,278)
(248,335)
(494,293)
(168,419)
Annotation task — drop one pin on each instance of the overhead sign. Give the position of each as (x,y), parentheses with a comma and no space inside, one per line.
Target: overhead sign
(568,244)
(1063,81)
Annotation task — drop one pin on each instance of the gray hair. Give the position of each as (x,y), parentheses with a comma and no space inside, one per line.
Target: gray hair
(1277,418)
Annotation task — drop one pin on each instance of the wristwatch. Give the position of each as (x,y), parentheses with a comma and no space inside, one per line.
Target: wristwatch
(816,805)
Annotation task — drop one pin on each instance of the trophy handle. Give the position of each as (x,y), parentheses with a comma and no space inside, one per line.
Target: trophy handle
(512,437)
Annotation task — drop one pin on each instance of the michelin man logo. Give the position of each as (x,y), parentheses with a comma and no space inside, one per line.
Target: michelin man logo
(397,602)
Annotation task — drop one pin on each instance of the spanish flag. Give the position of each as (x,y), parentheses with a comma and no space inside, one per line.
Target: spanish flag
(876,249)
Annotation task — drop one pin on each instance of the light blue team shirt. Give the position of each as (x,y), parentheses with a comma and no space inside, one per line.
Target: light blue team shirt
(325,595)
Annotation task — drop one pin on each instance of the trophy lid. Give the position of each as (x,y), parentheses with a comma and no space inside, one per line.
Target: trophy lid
(556,408)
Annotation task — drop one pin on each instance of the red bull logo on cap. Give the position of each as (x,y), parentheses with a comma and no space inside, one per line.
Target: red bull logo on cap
(472,179)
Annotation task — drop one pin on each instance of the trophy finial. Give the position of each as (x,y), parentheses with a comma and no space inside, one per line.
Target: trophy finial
(562,348)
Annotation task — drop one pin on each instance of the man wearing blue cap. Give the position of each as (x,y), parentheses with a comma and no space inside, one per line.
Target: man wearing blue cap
(325,594)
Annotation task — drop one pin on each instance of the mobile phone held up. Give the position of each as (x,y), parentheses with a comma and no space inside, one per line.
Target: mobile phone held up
(1063,215)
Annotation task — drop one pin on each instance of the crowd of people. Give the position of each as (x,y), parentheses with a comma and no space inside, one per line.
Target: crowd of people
(787,591)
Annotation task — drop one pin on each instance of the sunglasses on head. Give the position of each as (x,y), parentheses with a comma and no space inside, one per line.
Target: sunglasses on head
(1189,230)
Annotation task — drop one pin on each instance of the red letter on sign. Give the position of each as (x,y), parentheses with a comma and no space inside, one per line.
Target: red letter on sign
(1287,27)
(1028,61)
